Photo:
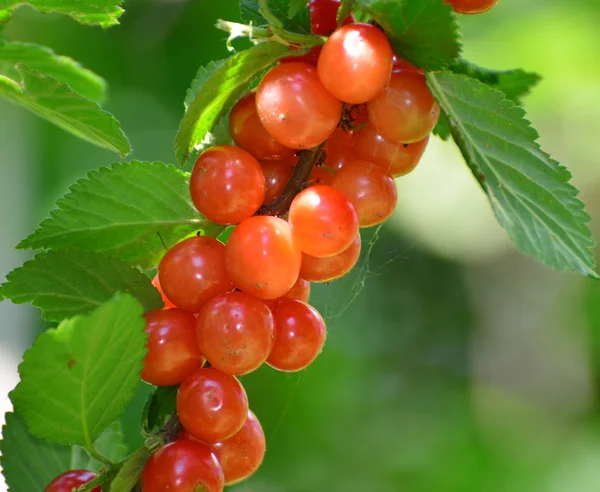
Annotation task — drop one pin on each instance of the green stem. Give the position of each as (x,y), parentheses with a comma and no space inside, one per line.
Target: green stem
(107,475)
(268,34)
(270,17)
(98,457)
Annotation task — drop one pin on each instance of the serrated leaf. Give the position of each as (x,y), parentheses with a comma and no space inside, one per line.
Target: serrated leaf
(59,104)
(78,378)
(64,69)
(110,444)
(102,12)
(29,463)
(131,211)
(344,11)
(515,84)
(293,14)
(424,32)
(529,191)
(130,472)
(218,89)
(159,407)
(67,283)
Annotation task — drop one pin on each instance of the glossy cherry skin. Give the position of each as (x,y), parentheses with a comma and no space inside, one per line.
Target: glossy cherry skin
(323,221)
(295,108)
(401,65)
(405,111)
(396,159)
(156,283)
(243,453)
(356,63)
(227,184)
(323,19)
(327,269)
(235,332)
(183,466)
(277,174)
(262,258)
(300,291)
(338,149)
(299,335)
(193,271)
(212,405)
(371,191)
(71,480)
(472,6)
(320,176)
(173,352)
(249,134)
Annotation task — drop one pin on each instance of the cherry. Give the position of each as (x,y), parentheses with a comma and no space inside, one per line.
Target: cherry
(277,174)
(193,271)
(227,184)
(235,332)
(71,480)
(212,405)
(323,221)
(472,6)
(173,352)
(356,63)
(183,466)
(401,65)
(320,176)
(300,291)
(249,134)
(242,454)
(338,149)
(371,191)
(294,106)
(332,267)
(299,335)
(405,111)
(262,257)
(156,283)
(396,159)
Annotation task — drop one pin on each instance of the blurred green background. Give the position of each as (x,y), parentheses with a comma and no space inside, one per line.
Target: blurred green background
(453,363)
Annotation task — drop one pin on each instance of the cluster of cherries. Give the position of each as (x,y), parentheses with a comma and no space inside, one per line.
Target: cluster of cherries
(318,147)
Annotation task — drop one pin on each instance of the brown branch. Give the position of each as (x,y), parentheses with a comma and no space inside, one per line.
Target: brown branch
(300,176)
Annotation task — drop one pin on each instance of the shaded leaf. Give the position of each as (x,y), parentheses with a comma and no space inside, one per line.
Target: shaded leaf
(130,472)
(293,14)
(159,407)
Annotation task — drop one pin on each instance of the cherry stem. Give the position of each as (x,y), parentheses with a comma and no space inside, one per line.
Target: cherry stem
(297,182)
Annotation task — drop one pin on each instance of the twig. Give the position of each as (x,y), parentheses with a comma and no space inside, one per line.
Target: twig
(302,171)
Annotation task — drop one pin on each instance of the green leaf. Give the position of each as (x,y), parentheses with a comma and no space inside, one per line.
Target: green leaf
(59,104)
(344,11)
(78,378)
(217,89)
(67,283)
(424,32)
(110,444)
(159,407)
(293,14)
(63,69)
(515,84)
(529,191)
(130,472)
(29,464)
(133,211)
(102,12)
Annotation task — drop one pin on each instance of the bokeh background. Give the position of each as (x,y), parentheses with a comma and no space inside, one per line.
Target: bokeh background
(453,363)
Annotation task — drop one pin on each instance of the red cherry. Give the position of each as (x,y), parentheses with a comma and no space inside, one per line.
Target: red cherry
(299,335)
(277,174)
(212,405)
(235,332)
(193,271)
(332,267)
(71,480)
(156,283)
(472,6)
(183,466)
(173,352)
(227,184)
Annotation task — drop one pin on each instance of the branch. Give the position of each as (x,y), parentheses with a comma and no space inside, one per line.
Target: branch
(302,171)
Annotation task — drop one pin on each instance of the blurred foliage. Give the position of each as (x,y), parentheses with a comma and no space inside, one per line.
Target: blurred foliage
(394,403)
